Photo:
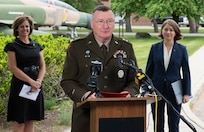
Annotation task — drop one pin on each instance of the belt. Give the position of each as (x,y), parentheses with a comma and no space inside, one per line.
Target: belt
(30,68)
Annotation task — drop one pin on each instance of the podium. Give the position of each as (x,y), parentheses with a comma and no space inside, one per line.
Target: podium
(117,114)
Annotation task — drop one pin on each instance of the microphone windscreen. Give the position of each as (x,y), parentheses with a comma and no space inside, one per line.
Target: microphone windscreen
(120,60)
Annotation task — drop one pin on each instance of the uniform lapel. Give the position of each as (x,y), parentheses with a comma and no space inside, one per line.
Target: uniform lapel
(93,45)
(113,47)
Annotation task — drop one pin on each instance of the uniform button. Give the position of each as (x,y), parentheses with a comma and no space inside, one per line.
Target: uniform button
(106,67)
(86,65)
(165,79)
(105,77)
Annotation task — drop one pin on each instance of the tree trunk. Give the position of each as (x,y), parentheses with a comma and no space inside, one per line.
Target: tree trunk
(193,26)
(155,25)
(128,25)
(176,18)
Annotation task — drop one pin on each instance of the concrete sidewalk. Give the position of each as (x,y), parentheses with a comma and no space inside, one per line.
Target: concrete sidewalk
(197,79)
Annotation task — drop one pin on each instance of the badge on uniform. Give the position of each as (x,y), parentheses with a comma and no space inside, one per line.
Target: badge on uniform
(87,54)
(120,52)
(121,73)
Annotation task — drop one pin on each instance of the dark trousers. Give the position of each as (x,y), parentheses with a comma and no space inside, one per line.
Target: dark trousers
(173,118)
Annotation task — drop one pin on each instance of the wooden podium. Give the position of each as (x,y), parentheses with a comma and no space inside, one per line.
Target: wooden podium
(117,114)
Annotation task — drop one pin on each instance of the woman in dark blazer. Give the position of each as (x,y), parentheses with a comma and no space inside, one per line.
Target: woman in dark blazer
(167,63)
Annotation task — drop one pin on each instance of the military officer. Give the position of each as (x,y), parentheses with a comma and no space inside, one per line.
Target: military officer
(78,65)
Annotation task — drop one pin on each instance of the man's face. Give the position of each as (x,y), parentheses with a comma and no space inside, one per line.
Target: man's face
(103,24)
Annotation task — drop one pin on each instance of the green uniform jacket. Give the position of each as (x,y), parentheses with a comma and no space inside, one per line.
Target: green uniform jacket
(77,70)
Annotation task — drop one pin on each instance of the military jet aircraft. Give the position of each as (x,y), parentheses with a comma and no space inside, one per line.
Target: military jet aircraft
(44,12)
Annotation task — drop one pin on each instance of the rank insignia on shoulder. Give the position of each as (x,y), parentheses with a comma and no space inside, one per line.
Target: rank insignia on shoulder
(120,52)
(125,40)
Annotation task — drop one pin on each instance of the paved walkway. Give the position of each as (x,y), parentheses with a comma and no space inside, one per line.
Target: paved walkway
(197,75)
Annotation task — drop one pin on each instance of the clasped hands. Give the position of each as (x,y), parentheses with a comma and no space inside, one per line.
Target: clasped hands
(35,85)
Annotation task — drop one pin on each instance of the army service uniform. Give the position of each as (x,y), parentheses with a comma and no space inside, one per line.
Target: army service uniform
(76,72)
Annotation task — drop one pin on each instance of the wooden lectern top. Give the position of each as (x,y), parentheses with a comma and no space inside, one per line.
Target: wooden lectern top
(86,103)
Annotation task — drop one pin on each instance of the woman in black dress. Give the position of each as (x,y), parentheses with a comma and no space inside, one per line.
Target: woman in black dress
(26,62)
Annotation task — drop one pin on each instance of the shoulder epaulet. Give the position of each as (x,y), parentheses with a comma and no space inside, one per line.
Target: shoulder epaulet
(76,40)
(123,39)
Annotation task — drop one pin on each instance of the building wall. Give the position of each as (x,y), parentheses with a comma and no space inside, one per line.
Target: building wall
(142,21)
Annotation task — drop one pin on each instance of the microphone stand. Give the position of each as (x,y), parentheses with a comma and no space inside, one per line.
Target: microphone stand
(92,83)
(147,81)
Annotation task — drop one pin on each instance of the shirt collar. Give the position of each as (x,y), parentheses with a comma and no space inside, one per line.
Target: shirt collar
(106,43)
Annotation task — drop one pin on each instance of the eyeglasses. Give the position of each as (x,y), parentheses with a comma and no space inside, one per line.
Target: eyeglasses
(102,22)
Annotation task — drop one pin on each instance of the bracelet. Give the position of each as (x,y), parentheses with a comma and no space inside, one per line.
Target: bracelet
(39,80)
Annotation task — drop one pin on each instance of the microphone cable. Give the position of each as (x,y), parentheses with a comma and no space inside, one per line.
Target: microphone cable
(156,111)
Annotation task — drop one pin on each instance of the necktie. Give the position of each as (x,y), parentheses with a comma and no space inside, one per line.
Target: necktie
(104,50)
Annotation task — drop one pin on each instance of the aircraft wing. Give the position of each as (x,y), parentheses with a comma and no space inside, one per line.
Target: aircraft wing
(6,22)
(44,12)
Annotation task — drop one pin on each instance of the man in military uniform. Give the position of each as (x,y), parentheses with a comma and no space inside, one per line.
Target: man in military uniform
(112,78)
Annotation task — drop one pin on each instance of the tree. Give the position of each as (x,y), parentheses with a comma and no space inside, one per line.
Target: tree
(193,9)
(128,7)
(190,8)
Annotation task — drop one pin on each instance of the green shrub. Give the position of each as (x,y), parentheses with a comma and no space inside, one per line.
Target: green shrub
(65,113)
(50,103)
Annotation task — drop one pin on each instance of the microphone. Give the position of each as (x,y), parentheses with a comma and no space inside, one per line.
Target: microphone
(142,78)
(96,67)
(120,60)
(140,75)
